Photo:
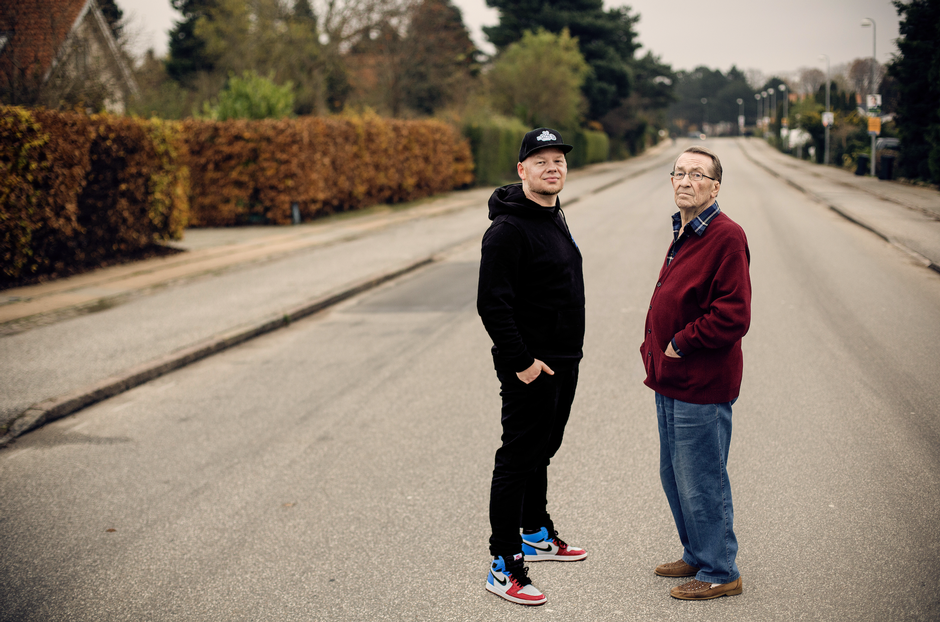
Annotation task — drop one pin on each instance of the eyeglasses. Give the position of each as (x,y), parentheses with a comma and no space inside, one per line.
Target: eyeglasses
(695,176)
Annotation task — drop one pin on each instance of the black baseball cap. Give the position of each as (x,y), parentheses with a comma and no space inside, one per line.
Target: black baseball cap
(541,138)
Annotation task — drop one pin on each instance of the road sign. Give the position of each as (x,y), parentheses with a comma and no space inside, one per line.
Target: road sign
(874,126)
(874,100)
(829,118)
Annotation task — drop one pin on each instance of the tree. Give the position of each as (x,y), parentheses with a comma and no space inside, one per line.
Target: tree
(187,51)
(266,37)
(810,80)
(441,57)
(114,16)
(606,39)
(538,80)
(721,92)
(917,69)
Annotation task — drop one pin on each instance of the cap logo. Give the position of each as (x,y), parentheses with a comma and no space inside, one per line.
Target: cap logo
(546,135)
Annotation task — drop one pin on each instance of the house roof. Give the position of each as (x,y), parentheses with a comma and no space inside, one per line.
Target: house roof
(36,30)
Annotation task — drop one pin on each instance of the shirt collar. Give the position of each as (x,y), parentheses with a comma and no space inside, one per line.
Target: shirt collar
(699,223)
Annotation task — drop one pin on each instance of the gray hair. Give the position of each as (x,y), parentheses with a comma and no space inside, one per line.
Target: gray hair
(716,163)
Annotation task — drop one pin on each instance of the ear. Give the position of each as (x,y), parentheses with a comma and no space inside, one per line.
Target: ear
(521,170)
(716,188)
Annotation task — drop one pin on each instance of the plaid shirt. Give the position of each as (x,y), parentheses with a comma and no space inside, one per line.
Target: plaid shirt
(697,226)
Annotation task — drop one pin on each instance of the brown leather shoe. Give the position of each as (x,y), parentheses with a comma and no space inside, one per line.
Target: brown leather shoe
(676,569)
(699,590)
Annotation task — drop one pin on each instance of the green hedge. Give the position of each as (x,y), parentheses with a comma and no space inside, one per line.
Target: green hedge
(495,146)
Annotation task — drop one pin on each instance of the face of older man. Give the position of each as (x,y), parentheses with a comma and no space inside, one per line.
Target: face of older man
(695,196)
(543,174)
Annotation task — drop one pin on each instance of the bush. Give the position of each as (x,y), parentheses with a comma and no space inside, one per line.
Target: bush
(590,147)
(253,171)
(253,97)
(495,146)
(79,190)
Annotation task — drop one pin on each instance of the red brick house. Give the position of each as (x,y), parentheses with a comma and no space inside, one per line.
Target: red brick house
(61,53)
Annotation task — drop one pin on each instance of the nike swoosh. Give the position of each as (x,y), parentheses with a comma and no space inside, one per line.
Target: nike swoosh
(538,548)
(503,582)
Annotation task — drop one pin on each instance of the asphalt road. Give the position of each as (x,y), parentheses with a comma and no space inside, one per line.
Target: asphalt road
(339,469)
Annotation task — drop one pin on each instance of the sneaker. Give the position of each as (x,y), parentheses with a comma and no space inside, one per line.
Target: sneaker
(510,580)
(545,547)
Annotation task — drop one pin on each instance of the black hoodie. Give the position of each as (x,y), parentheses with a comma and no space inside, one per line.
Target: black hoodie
(531,289)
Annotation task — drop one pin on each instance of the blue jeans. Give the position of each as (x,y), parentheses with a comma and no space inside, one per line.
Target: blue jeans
(693,455)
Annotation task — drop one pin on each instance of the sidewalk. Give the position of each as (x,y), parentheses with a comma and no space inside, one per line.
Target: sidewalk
(70,343)
(906,216)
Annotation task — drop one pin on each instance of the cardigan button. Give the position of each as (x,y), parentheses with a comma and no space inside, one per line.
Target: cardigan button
(649,331)
(659,285)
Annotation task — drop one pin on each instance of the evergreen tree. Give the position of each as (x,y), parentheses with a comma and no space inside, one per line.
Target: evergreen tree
(113,15)
(606,39)
(917,69)
(188,54)
(303,11)
(441,57)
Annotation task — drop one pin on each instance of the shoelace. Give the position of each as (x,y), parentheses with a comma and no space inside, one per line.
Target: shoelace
(558,541)
(518,573)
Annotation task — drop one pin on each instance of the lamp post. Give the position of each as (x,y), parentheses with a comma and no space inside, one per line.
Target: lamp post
(871,84)
(785,122)
(740,116)
(759,110)
(763,96)
(704,113)
(828,122)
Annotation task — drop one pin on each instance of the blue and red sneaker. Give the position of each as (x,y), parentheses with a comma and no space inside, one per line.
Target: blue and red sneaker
(543,546)
(509,579)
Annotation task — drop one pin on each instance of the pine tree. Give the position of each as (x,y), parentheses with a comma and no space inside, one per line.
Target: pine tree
(917,69)
(188,54)
(113,15)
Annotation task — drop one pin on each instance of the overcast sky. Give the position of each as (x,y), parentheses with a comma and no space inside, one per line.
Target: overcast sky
(685,33)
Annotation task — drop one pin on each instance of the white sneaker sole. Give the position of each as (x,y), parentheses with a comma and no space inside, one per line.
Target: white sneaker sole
(513,599)
(556,558)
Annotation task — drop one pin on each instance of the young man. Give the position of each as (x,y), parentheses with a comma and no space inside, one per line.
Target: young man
(531,301)
(699,312)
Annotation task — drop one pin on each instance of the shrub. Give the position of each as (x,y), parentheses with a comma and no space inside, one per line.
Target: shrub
(80,190)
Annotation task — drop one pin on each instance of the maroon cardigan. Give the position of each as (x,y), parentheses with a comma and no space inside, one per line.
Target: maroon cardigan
(703,300)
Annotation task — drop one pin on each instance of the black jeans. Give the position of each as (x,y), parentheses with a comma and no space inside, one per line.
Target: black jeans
(534,417)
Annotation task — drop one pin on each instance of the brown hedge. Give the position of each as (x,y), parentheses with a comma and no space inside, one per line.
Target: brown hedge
(80,190)
(253,171)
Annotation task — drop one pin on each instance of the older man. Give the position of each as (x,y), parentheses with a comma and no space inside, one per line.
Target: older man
(699,312)
(531,301)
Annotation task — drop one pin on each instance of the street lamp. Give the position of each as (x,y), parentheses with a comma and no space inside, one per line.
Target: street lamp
(785,122)
(740,116)
(704,113)
(871,85)
(828,120)
(766,117)
(759,109)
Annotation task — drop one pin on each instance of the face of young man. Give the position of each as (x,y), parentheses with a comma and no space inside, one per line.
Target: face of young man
(543,175)
(695,196)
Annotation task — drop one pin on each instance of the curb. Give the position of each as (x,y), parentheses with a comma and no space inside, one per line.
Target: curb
(55,408)
(924,261)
